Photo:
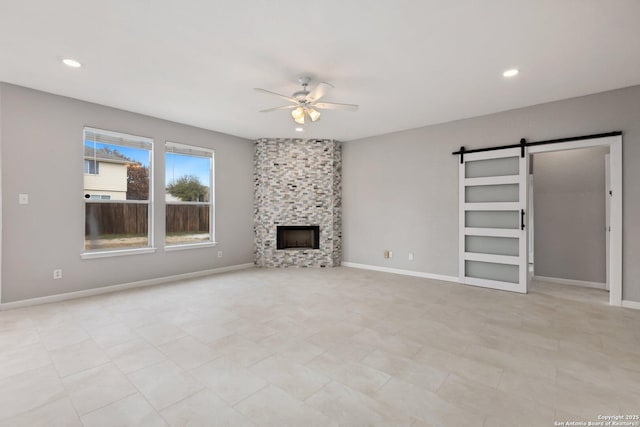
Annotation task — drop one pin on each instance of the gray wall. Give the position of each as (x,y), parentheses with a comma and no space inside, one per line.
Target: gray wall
(400,190)
(42,156)
(569,214)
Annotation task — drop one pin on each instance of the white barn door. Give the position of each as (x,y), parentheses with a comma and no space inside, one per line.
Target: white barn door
(493,219)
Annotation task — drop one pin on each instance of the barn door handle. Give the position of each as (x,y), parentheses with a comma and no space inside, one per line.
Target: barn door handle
(522,219)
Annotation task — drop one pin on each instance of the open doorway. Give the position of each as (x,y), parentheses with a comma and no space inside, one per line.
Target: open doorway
(568,218)
(575,216)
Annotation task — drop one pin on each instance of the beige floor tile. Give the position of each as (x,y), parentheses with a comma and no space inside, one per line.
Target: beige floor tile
(240,350)
(604,395)
(462,366)
(425,405)
(273,407)
(49,315)
(292,349)
(22,359)
(159,333)
(130,411)
(112,334)
(437,337)
(352,408)
(392,344)
(19,337)
(406,369)
(29,390)
(574,397)
(499,407)
(526,363)
(134,355)
(510,332)
(207,331)
(97,387)
(135,317)
(164,384)
(187,352)
(340,346)
(228,380)
(78,357)
(250,330)
(59,413)
(291,327)
(15,319)
(297,380)
(352,374)
(94,317)
(62,335)
(204,409)
(559,351)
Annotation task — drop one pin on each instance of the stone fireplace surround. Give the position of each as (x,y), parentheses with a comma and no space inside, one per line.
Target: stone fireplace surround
(298,183)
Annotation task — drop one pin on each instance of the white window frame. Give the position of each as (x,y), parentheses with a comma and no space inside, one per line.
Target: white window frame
(150,248)
(169,145)
(96,167)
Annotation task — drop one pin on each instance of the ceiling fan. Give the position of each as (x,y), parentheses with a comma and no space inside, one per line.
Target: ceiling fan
(305,103)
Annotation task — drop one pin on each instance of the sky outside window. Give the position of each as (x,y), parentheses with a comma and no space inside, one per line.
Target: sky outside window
(179,165)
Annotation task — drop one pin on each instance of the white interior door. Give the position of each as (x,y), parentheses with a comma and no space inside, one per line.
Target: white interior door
(493,191)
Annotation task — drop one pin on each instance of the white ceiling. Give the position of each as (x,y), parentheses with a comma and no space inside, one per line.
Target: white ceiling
(407,63)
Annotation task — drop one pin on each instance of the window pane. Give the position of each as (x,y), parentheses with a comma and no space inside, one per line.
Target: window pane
(112,225)
(188,195)
(187,224)
(118,171)
(187,178)
(91,166)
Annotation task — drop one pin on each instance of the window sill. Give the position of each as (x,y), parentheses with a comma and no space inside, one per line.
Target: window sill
(119,252)
(190,246)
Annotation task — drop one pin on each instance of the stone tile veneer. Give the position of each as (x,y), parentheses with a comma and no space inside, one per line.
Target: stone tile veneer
(298,182)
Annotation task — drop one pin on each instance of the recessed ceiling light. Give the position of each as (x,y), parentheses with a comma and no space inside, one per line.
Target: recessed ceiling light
(510,73)
(71,63)
(299,129)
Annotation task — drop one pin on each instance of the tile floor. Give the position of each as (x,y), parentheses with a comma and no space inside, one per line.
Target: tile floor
(326,347)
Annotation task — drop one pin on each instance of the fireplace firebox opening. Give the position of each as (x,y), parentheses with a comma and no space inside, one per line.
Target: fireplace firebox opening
(298,237)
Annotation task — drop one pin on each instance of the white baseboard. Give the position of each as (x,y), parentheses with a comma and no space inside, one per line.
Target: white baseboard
(585,284)
(631,304)
(121,287)
(403,272)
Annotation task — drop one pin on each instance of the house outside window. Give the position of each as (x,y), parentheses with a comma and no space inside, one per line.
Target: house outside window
(117,191)
(189,195)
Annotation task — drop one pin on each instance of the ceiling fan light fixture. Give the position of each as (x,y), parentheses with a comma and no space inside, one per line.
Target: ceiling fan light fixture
(298,115)
(314,114)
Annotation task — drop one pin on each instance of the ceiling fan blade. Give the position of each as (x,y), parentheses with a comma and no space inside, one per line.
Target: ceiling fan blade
(336,106)
(320,91)
(288,98)
(284,107)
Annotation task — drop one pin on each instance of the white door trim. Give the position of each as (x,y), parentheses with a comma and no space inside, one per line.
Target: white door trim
(615,253)
(607,216)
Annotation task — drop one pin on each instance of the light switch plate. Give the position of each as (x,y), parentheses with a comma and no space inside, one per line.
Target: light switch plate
(23,199)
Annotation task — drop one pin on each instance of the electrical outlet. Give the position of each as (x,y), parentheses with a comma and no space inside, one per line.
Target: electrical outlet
(219,254)
(386,253)
(57,274)
(410,256)
(23,199)
(390,254)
